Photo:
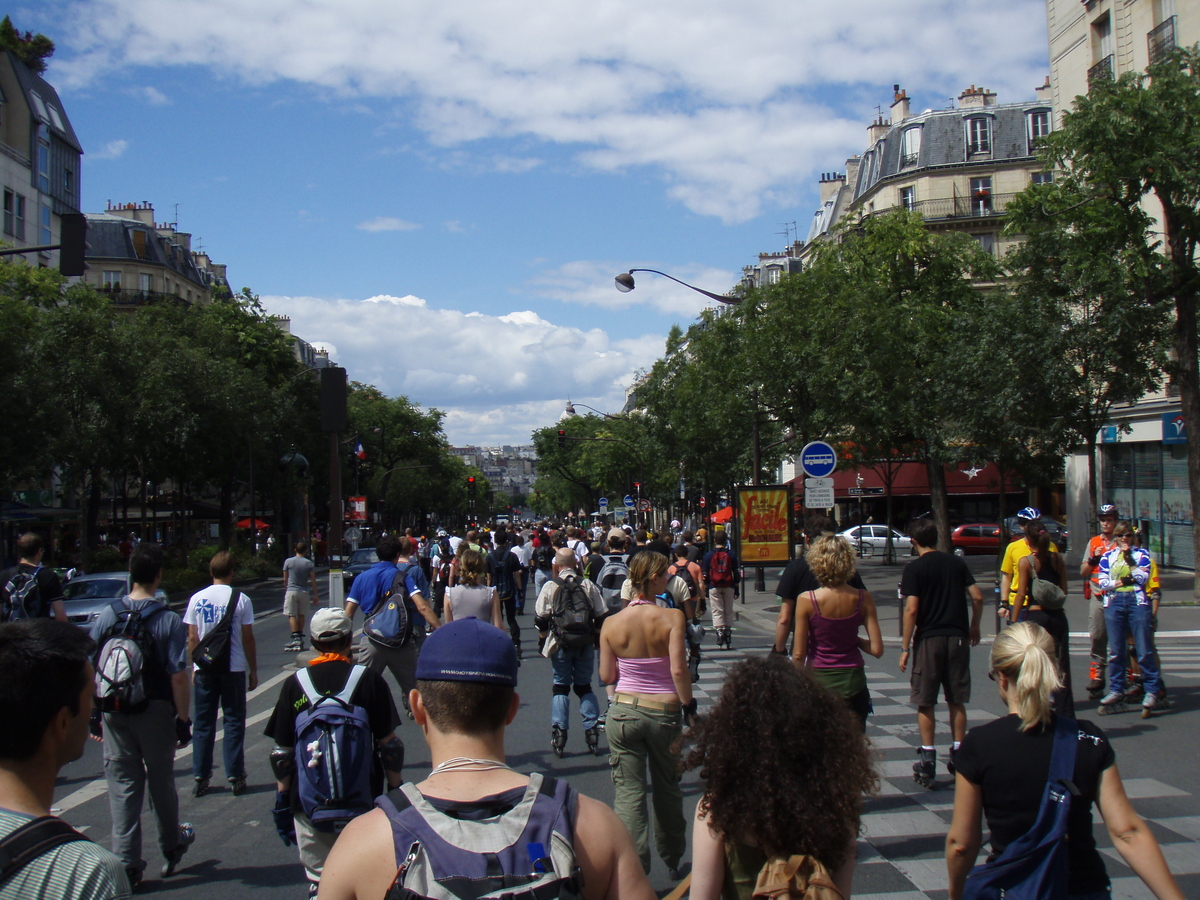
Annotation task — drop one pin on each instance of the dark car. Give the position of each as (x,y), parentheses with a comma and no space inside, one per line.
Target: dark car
(1058,532)
(359,562)
(975,538)
(86,596)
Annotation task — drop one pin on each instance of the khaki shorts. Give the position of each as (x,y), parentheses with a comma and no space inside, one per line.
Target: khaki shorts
(296,603)
(943,661)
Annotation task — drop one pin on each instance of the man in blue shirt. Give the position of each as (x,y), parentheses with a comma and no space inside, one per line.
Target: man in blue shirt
(369,588)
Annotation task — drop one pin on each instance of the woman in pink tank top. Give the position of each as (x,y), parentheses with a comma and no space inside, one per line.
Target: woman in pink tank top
(643,649)
(828,622)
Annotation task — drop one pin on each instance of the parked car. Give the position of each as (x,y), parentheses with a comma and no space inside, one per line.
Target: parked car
(1057,531)
(86,596)
(359,562)
(975,538)
(875,537)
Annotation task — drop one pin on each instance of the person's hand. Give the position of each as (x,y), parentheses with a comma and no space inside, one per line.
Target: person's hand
(1002,612)
(904,654)
(1153,622)
(690,711)
(96,725)
(1127,581)
(183,732)
(285,823)
(975,638)
(251,681)
(1094,561)
(736,592)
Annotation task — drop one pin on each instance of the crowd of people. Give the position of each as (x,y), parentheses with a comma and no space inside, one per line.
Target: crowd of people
(783,756)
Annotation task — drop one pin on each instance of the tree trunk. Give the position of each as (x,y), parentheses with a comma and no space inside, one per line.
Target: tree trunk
(1188,378)
(225,523)
(939,500)
(1093,485)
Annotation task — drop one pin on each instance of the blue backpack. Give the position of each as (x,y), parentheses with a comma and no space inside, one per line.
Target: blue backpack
(1034,866)
(390,623)
(335,751)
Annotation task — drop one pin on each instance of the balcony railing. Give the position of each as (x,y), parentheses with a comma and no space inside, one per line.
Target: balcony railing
(1101,71)
(126,297)
(976,207)
(1161,40)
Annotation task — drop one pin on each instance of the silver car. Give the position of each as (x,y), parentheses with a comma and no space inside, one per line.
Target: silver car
(871,540)
(86,596)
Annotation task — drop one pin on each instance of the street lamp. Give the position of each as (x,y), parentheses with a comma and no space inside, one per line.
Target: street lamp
(625,285)
(570,410)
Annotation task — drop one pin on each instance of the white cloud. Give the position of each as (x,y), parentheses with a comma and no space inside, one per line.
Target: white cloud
(154,96)
(387,223)
(732,110)
(497,378)
(111,150)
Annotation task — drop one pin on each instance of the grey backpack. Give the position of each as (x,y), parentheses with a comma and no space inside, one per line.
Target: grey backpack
(1046,594)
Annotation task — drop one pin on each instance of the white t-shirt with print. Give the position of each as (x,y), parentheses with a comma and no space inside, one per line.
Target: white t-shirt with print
(205,610)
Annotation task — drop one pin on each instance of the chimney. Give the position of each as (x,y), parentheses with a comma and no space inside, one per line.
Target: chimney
(831,183)
(900,110)
(876,130)
(139,212)
(974,97)
(1044,92)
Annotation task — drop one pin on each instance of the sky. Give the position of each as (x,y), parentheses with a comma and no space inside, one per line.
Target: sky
(441,193)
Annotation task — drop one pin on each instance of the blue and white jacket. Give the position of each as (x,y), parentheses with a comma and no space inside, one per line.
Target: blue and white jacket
(1114,568)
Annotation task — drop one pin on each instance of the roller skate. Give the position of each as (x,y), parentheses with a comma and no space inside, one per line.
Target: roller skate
(950,761)
(558,740)
(1152,704)
(592,735)
(1112,704)
(925,768)
(1095,686)
(1135,691)
(725,637)
(296,644)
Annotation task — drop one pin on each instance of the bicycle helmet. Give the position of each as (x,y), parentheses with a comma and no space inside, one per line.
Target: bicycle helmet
(1107,509)
(1029,513)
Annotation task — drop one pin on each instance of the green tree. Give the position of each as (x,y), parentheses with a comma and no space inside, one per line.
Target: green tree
(32,49)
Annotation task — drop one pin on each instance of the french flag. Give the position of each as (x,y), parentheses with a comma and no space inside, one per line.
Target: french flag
(359,451)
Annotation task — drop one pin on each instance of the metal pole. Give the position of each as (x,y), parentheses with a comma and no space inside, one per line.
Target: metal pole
(760,579)
(336,597)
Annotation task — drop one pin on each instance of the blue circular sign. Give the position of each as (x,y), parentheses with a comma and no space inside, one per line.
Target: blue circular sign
(818,459)
(604,503)
(628,501)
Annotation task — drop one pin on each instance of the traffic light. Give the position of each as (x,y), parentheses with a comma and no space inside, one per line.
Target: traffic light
(72,244)
(562,437)
(471,485)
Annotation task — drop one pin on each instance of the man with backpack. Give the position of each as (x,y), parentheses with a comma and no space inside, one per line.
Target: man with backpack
(220,621)
(441,556)
(334,727)
(392,596)
(567,616)
(30,590)
(541,563)
(724,579)
(474,819)
(46,688)
(504,574)
(143,690)
(615,570)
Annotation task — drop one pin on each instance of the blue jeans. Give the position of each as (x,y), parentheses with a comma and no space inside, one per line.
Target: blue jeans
(1122,616)
(227,692)
(574,668)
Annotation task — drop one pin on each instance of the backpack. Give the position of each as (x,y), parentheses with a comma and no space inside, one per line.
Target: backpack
(525,853)
(796,876)
(612,576)
(127,652)
(571,615)
(1046,594)
(213,651)
(502,579)
(445,558)
(685,573)
(720,569)
(335,752)
(1034,866)
(22,596)
(390,623)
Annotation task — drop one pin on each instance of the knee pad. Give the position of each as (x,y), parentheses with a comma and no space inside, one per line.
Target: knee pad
(562,690)
(582,690)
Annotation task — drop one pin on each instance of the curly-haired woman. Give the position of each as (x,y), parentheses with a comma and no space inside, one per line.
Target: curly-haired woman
(643,650)
(827,624)
(785,765)
(471,597)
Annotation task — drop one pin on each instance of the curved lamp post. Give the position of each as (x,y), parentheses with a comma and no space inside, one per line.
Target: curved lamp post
(570,410)
(625,284)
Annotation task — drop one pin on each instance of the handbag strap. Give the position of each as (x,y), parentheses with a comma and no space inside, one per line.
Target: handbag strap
(1062,757)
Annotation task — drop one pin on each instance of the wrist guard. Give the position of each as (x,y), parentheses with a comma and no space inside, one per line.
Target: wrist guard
(391,755)
(183,731)
(690,708)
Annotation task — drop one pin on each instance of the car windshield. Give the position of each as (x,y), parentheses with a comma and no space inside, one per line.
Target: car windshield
(363,558)
(93,588)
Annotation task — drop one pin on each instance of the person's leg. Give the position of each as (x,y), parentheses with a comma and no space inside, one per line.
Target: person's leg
(314,847)
(560,703)
(956,685)
(1098,633)
(627,756)
(582,664)
(233,706)
(1143,640)
(510,612)
(204,725)
(1116,620)
(156,733)
(126,780)
(670,826)
(958,722)
(926,725)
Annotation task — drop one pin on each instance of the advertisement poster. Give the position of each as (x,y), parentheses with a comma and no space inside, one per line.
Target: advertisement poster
(764,526)
(357,511)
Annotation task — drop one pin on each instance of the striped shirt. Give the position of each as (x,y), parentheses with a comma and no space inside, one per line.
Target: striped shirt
(78,870)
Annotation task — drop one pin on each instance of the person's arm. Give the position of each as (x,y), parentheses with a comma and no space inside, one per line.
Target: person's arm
(1086,568)
(965,836)
(394,776)
(312,574)
(350,608)
(1133,840)
(497,610)
(873,642)
(192,640)
(181,691)
(59,610)
(976,612)
(286,578)
(783,624)
(708,860)
(250,648)
(680,674)
(425,610)
(800,640)
(608,659)
(912,603)
(607,859)
(1006,574)
(1022,600)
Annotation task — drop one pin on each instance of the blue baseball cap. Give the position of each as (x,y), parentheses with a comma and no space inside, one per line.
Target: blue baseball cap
(468,650)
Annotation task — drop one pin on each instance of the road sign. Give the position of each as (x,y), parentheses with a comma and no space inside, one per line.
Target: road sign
(628,501)
(604,503)
(818,497)
(703,503)
(644,505)
(818,482)
(818,459)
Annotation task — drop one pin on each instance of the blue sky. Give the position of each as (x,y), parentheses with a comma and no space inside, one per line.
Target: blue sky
(442,192)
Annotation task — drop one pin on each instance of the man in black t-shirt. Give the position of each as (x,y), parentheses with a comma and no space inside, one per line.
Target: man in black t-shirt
(935,586)
(45,600)
(332,636)
(798,579)
(504,573)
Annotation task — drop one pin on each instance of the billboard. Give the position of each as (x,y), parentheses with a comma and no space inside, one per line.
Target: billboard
(764,525)
(357,511)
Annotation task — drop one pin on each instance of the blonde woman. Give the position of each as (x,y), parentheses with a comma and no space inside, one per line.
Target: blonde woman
(471,597)
(1002,767)
(828,621)
(643,650)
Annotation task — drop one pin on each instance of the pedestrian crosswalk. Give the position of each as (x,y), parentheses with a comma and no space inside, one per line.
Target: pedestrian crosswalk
(901,850)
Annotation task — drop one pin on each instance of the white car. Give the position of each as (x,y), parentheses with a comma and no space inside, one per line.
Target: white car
(871,540)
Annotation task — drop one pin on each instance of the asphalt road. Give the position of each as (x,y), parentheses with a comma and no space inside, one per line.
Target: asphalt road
(237,847)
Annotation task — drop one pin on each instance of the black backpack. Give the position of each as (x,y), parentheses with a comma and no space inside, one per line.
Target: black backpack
(543,557)
(213,651)
(571,615)
(21,596)
(502,578)
(684,573)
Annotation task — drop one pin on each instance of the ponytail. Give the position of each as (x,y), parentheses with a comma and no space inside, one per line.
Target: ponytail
(1024,652)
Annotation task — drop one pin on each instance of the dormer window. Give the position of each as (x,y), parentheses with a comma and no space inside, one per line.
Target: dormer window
(979,135)
(910,147)
(1037,126)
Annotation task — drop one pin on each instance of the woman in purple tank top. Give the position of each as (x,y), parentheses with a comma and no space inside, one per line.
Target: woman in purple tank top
(828,621)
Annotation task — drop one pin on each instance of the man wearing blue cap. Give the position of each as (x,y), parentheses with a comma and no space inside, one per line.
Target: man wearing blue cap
(474,817)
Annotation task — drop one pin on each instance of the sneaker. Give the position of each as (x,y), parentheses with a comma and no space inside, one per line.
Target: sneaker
(313,889)
(950,760)
(200,787)
(135,878)
(187,834)
(238,785)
